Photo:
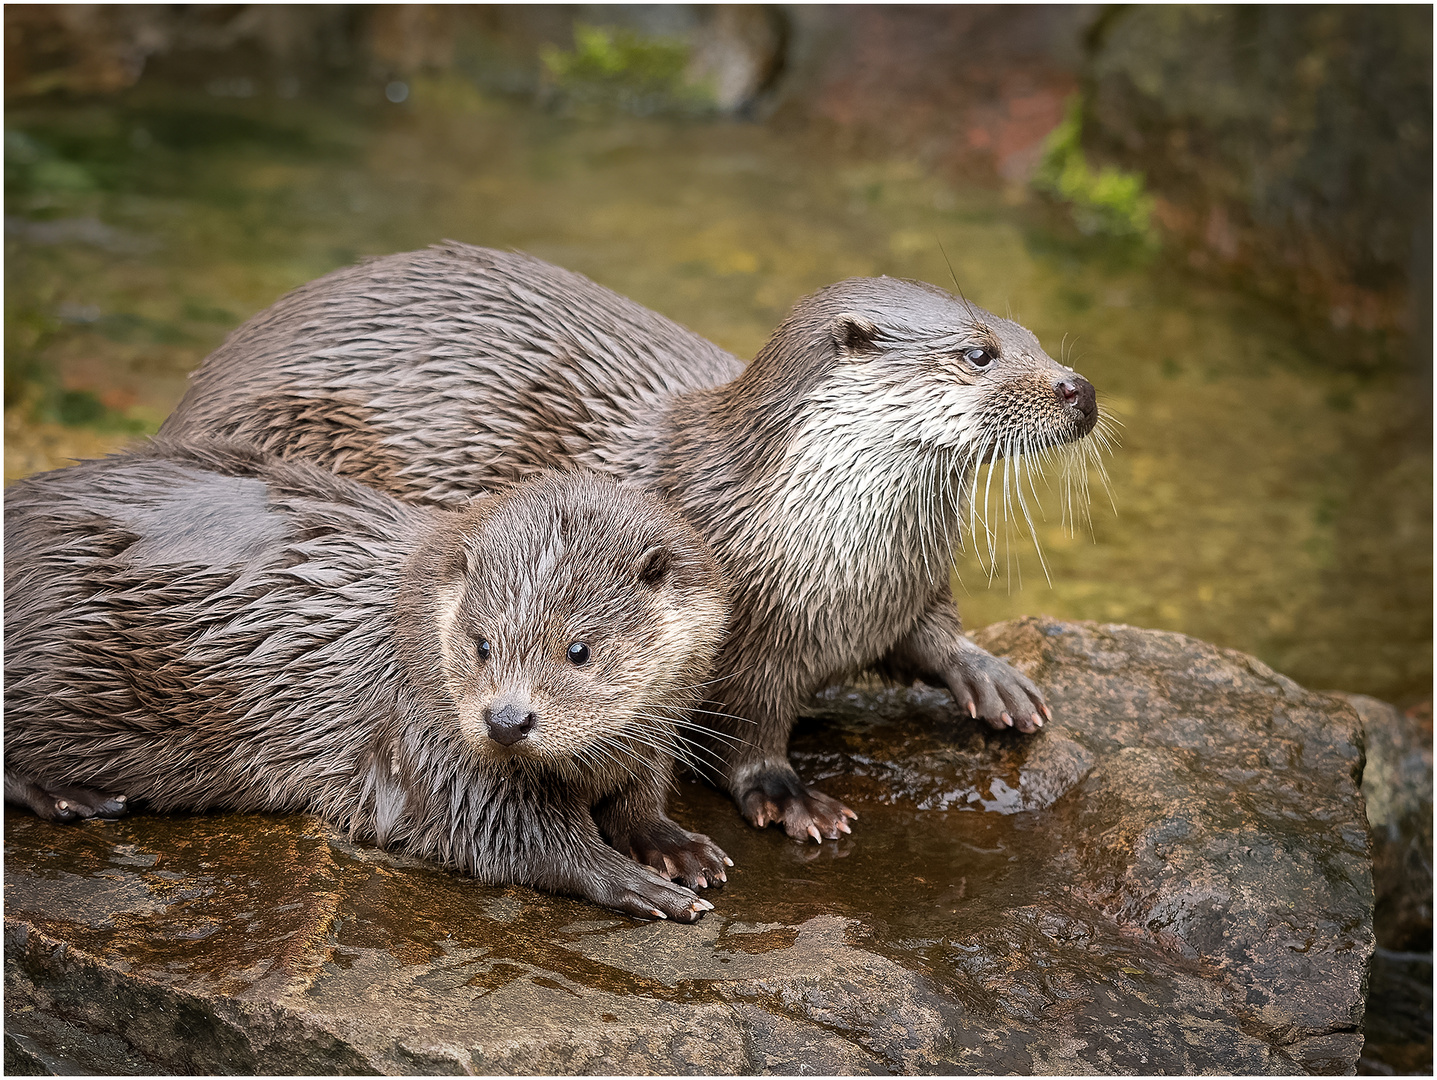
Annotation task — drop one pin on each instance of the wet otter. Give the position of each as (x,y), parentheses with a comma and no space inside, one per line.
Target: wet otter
(501,688)
(827,474)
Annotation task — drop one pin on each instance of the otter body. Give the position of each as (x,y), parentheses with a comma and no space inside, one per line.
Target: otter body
(828,475)
(501,688)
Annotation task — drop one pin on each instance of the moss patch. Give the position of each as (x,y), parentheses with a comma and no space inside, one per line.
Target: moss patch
(611,67)
(1107,201)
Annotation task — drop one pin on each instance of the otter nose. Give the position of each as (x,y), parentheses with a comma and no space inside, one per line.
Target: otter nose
(1078,393)
(509,722)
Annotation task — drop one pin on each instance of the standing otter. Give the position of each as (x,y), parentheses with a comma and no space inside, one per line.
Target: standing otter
(827,474)
(501,688)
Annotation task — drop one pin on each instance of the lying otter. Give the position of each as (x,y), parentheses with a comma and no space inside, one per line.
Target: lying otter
(827,475)
(501,688)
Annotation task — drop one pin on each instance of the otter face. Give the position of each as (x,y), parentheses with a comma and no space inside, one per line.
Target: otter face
(935,370)
(576,624)
(903,390)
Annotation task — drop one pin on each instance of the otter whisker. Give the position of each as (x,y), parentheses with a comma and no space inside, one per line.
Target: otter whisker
(984,516)
(1026,460)
(1008,518)
(945,510)
(716,680)
(677,737)
(676,747)
(721,736)
(599,745)
(727,716)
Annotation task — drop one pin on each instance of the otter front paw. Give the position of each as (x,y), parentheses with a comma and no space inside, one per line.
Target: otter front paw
(640,892)
(679,855)
(64,802)
(992,690)
(775,794)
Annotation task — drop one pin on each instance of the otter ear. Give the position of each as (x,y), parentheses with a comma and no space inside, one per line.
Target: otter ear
(653,566)
(854,334)
(459,562)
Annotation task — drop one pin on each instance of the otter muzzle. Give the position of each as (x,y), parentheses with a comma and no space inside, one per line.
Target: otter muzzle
(509,721)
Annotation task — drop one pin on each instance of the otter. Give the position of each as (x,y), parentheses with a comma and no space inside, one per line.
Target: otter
(828,475)
(502,688)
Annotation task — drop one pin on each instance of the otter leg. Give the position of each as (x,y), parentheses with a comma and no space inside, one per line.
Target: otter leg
(61,802)
(633,822)
(768,791)
(984,686)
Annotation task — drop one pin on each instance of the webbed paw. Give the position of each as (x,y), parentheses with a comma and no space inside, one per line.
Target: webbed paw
(992,690)
(62,802)
(645,895)
(775,795)
(679,855)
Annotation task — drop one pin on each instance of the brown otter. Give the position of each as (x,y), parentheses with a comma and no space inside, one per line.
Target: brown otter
(827,474)
(502,688)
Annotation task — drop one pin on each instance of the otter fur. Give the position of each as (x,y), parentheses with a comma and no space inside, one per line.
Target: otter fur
(502,688)
(829,475)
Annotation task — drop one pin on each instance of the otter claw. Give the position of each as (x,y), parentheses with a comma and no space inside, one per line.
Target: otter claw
(656,913)
(973,710)
(1047,712)
(727,862)
(1007,720)
(813,832)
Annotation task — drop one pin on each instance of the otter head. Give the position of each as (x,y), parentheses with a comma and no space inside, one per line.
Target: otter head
(575,623)
(875,401)
(886,360)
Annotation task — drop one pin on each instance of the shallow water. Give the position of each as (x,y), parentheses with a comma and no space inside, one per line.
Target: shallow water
(1271,494)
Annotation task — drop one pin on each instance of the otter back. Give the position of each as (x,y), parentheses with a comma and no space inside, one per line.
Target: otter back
(337,371)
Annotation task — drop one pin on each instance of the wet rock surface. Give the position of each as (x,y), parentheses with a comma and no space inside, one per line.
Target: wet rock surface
(1172,877)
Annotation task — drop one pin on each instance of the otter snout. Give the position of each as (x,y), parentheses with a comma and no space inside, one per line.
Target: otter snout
(1077,393)
(509,721)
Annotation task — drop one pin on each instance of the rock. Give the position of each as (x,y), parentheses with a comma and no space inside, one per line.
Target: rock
(1291,142)
(1397,785)
(1171,877)
(971,90)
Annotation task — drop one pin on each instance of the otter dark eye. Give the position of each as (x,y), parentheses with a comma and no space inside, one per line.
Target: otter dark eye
(482,649)
(578,654)
(980,358)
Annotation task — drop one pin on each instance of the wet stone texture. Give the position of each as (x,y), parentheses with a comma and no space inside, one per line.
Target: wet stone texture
(1397,784)
(1174,876)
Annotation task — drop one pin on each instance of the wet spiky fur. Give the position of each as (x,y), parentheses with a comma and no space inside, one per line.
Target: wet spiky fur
(206,626)
(832,476)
